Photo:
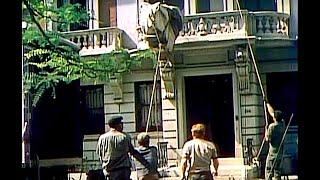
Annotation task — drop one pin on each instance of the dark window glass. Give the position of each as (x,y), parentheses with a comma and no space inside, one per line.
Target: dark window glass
(258,5)
(92,109)
(143,91)
(203,6)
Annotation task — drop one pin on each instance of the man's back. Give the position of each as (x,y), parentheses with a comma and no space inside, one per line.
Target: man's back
(200,152)
(275,133)
(113,148)
(150,154)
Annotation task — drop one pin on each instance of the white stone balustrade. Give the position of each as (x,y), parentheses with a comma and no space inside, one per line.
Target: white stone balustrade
(270,24)
(231,25)
(216,25)
(96,41)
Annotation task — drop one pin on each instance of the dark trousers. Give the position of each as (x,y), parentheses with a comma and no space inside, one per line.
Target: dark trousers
(119,174)
(276,170)
(203,175)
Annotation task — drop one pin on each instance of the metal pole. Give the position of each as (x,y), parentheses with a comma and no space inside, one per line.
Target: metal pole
(259,79)
(22,101)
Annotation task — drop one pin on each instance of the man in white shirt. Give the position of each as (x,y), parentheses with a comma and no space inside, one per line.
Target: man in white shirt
(197,155)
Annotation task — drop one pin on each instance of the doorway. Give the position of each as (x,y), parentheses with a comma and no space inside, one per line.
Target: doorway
(209,100)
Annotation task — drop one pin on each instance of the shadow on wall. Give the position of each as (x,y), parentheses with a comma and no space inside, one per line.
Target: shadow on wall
(128,43)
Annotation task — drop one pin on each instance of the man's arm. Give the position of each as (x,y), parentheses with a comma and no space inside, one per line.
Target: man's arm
(183,167)
(268,133)
(216,166)
(270,110)
(214,157)
(138,156)
(98,149)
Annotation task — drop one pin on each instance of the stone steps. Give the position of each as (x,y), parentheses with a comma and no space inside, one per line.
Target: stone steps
(229,168)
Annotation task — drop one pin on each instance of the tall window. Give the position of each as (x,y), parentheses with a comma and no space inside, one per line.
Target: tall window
(107,13)
(204,6)
(82,25)
(143,92)
(258,5)
(92,109)
(84,4)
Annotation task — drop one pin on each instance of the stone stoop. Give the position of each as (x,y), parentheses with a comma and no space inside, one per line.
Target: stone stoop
(233,169)
(229,169)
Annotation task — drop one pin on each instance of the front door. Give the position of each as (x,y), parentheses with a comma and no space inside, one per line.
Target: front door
(209,100)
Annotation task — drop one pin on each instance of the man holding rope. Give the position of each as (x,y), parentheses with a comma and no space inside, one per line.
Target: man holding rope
(273,136)
(113,148)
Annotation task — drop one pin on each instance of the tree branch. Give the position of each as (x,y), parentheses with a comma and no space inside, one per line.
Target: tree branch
(32,14)
(49,17)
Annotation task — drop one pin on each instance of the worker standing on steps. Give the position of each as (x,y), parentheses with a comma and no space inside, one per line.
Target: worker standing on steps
(273,136)
(197,155)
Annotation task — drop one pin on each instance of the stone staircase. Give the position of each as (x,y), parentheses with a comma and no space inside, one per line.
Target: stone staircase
(229,169)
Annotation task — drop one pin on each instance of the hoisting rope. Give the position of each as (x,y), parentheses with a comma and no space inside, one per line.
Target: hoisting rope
(258,76)
(154,78)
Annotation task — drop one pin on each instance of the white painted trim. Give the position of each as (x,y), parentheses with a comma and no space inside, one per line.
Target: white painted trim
(236,112)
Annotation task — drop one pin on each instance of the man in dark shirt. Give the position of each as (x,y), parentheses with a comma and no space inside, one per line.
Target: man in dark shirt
(113,148)
(274,135)
(150,154)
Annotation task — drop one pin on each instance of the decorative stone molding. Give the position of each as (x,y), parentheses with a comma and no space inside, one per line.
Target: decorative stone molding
(167,75)
(116,86)
(243,69)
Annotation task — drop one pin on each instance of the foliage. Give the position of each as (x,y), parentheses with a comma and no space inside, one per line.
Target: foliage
(49,60)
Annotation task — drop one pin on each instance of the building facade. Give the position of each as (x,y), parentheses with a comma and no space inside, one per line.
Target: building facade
(211,77)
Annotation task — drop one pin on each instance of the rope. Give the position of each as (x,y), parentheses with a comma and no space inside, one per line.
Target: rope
(154,79)
(258,76)
(282,140)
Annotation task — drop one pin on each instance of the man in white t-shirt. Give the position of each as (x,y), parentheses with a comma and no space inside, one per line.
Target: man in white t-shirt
(197,155)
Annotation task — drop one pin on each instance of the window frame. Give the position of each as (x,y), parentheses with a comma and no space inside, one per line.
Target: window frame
(88,112)
(140,126)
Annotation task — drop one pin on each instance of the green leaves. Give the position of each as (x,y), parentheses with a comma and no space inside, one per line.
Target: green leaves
(50,61)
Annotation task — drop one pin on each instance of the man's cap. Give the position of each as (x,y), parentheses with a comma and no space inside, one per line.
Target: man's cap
(143,137)
(198,128)
(115,120)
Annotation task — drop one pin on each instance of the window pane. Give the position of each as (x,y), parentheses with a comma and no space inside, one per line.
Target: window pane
(259,5)
(92,109)
(203,6)
(143,92)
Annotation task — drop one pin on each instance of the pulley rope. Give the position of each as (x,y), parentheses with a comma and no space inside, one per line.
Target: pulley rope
(258,76)
(154,78)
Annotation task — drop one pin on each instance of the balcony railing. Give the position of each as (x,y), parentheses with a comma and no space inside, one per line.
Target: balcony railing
(231,25)
(96,41)
(270,24)
(217,25)
(214,26)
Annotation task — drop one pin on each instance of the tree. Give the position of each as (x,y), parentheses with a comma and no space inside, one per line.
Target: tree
(51,59)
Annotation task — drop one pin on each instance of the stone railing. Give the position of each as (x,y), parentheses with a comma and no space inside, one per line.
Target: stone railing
(96,41)
(215,25)
(231,25)
(270,24)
